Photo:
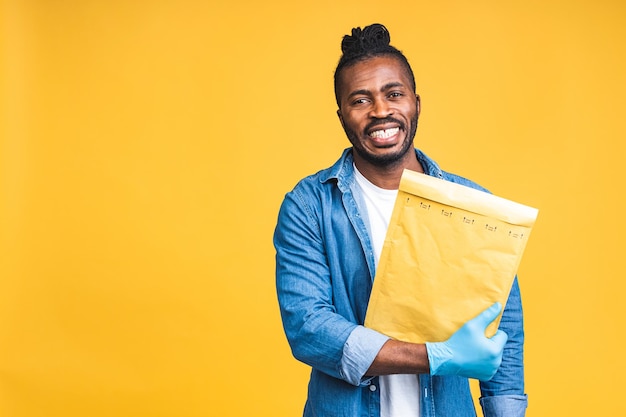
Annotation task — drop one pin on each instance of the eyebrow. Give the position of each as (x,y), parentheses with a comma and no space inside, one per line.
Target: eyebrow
(385,87)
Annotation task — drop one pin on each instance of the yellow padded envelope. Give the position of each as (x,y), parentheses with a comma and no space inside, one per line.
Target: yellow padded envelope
(450,252)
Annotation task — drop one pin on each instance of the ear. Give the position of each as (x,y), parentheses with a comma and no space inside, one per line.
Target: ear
(418,104)
(340,116)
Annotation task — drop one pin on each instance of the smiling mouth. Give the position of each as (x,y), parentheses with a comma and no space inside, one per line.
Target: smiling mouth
(385,133)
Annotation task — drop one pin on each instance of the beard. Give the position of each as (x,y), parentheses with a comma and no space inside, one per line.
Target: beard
(389,159)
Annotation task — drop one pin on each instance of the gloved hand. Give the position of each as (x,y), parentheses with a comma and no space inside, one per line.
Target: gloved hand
(468,352)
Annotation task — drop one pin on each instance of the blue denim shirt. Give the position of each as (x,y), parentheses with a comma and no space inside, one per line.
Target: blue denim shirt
(325,266)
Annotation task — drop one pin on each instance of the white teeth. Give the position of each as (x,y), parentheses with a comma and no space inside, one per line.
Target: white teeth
(384,134)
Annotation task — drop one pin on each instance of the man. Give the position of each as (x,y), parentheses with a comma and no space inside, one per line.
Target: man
(328,239)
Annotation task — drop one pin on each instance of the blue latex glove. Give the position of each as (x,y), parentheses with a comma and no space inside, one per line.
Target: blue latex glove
(468,352)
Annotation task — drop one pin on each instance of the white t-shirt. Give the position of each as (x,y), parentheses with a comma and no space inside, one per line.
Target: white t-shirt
(399,394)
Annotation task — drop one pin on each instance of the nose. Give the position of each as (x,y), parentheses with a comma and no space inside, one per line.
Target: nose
(380,109)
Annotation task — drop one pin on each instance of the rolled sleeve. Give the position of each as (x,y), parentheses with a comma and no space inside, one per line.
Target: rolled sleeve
(359,352)
(504,405)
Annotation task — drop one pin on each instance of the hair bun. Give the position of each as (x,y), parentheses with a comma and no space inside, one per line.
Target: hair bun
(371,38)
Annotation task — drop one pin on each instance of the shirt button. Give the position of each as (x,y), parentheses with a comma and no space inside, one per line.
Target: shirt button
(372,388)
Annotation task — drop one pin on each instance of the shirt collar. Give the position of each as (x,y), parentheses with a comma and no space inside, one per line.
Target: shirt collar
(343,171)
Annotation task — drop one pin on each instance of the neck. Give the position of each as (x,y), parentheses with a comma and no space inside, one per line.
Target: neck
(387,176)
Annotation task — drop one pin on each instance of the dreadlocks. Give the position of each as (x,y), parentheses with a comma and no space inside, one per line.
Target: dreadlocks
(369,42)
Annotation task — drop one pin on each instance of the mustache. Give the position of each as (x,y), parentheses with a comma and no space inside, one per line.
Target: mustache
(386,120)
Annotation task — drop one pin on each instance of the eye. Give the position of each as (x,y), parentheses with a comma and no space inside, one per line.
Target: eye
(358,101)
(395,94)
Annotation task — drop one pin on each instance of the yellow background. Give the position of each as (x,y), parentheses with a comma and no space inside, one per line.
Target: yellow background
(146,147)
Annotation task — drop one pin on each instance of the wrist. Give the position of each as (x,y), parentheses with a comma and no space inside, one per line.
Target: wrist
(439,356)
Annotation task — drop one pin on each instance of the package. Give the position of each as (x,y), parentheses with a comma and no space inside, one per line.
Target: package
(450,252)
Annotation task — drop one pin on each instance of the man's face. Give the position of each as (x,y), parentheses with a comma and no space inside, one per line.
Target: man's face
(378,110)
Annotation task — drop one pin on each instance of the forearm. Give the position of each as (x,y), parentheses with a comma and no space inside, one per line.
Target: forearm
(509,380)
(503,395)
(468,352)
(398,357)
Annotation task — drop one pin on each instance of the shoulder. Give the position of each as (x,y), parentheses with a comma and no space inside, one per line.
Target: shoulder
(314,193)
(328,178)
(432,168)
(463,181)
(311,188)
